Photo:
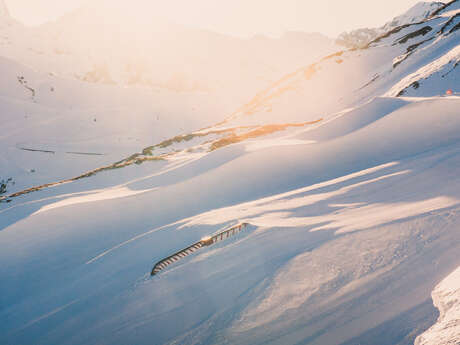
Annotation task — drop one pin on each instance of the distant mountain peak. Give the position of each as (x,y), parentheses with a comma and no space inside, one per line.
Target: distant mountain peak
(417,13)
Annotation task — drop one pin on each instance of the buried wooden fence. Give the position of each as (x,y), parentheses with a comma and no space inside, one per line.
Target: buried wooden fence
(204,242)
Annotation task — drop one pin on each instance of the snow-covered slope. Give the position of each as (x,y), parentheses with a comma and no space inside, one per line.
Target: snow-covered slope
(347,175)
(89,272)
(361,37)
(446,297)
(54,128)
(347,78)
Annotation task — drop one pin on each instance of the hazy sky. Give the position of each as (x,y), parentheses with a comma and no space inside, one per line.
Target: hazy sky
(242,17)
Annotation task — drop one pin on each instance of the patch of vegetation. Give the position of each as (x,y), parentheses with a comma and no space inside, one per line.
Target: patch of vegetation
(136,158)
(4,185)
(133,159)
(179,139)
(23,82)
(4,188)
(258,132)
(148,151)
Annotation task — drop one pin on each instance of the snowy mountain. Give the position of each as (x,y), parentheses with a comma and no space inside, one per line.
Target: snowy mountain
(342,178)
(416,14)
(151,52)
(361,37)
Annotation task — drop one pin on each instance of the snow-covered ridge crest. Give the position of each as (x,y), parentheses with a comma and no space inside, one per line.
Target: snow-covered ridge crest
(418,12)
(361,37)
(446,297)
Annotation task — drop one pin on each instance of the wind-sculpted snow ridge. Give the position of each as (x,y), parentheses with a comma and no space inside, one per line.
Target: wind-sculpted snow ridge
(446,297)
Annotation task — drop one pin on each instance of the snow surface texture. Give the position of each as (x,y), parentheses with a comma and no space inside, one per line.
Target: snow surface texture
(446,297)
(347,175)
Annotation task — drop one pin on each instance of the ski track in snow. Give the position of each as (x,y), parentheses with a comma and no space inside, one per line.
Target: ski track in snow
(47,315)
(129,241)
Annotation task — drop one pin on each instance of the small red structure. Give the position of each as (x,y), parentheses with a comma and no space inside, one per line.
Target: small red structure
(449,92)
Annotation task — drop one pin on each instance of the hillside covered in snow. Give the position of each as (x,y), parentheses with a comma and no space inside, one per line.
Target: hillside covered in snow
(343,174)
(359,38)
